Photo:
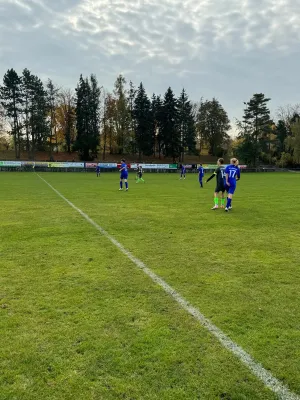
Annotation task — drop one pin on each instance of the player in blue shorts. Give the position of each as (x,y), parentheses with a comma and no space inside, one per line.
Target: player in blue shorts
(183,171)
(201,175)
(123,175)
(238,175)
(98,171)
(232,174)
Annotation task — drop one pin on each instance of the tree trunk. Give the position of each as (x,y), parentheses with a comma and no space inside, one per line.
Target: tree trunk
(154,142)
(27,142)
(27,133)
(15,143)
(104,144)
(110,141)
(50,149)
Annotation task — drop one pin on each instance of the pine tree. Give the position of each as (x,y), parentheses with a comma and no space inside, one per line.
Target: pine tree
(169,126)
(11,100)
(257,121)
(38,120)
(88,117)
(95,114)
(186,125)
(132,125)
(122,117)
(214,124)
(27,83)
(142,117)
(82,119)
(52,102)
(156,123)
(293,141)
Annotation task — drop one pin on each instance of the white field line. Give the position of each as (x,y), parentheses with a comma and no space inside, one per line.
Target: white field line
(281,390)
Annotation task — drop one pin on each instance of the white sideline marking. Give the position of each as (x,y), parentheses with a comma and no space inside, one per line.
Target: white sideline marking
(257,369)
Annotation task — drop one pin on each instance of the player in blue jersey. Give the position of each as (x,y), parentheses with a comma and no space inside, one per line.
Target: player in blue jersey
(98,171)
(123,175)
(232,174)
(201,175)
(238,175)
(183,171)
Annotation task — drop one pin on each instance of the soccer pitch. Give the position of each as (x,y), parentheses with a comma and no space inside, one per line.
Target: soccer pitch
(79,320)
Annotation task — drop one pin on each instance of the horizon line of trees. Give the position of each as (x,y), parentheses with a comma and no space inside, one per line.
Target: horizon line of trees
(40,116)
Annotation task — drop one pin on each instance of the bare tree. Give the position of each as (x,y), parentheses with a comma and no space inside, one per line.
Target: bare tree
(287,112)
(66,120)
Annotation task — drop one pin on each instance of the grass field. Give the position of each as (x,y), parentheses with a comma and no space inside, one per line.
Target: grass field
(78,320)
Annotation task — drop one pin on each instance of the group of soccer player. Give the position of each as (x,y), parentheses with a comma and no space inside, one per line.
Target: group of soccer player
(226,179)
(124,174)
(226,182)
(200,174)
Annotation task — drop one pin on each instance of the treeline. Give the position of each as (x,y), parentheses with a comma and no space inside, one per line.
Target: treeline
(44,117)
(41,116)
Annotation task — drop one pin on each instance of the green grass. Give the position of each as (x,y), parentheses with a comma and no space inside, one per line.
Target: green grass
(78,320)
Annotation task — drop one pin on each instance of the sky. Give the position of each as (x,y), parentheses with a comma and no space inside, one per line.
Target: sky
(228,49)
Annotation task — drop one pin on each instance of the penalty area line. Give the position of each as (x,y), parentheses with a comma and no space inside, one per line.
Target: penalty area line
(281,390)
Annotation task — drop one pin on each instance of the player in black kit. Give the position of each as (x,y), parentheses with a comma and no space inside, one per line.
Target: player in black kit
(220,187)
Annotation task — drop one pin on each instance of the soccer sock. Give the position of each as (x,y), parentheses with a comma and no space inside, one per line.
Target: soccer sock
(121,185)
(126,184)
(228,202)
(142,180)
(216,201)
(223,201)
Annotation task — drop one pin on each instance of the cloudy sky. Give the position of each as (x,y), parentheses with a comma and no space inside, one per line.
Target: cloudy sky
(229,49)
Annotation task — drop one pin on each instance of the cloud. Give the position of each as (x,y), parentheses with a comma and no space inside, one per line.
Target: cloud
(214,48)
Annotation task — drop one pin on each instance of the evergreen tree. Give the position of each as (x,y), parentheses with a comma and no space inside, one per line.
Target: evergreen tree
(27,84)
(2,119)
(170,135)
(88,118)
(70,124)
(38,120)
(142,116)
(214,124)
(281,135)
(95,116)
(258,125)
(186,125)
(11,100)
(156,123)
(122,117)
(52,102)
(293,141)
(132,125)
(82,119)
